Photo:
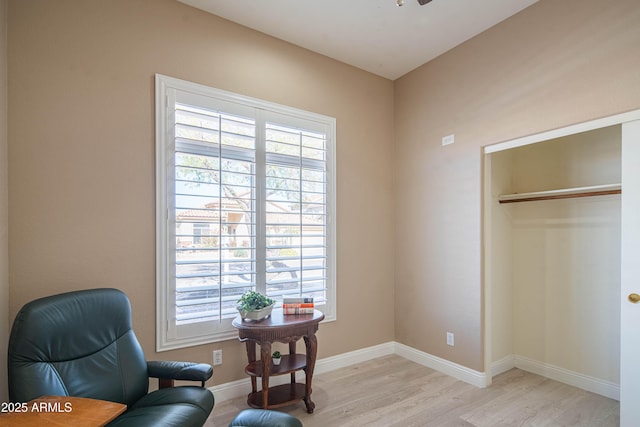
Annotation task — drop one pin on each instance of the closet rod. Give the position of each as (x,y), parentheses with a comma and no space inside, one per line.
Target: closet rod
(596,190)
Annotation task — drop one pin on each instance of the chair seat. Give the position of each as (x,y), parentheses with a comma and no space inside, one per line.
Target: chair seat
(184,406)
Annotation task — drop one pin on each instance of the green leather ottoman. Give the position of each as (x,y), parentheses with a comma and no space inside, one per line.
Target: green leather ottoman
(264,418)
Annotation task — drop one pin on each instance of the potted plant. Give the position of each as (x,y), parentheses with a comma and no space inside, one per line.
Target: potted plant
(253,305)
(276,357)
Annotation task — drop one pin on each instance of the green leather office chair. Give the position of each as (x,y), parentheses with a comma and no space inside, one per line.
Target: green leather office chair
(82,344)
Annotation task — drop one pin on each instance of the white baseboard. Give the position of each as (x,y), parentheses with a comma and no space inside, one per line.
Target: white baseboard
(242,387)
(608,389)
(351,358)
(228,391)
(503,365)
(473,377)
(585,382)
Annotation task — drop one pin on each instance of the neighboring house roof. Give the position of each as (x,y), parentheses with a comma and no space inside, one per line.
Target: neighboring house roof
(210,212)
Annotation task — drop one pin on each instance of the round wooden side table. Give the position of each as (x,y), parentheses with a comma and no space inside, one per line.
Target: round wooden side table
(286,329)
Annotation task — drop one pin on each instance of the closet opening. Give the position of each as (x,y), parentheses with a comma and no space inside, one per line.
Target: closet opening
(552,239)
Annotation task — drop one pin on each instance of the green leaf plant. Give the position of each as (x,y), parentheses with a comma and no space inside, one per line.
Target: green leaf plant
(252,301)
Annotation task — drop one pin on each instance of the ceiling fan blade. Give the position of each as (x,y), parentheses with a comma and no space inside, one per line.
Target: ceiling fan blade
(423,2)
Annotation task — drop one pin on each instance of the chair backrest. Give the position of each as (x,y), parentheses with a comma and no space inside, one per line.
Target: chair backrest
(77,344)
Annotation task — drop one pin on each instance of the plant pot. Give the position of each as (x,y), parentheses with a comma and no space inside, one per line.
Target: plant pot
(276,361)
(256,315)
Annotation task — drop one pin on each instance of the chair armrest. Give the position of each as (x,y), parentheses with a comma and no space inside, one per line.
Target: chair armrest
(168,370)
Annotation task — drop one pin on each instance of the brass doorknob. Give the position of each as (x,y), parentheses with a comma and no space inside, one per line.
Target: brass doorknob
(634,298)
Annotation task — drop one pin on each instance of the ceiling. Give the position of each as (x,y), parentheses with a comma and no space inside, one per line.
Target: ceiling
(374,35)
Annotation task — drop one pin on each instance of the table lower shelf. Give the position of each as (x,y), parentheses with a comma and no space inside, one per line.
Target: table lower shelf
(280,395)
(290,363)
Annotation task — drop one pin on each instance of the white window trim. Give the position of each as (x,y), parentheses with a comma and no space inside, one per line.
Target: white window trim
(164,85)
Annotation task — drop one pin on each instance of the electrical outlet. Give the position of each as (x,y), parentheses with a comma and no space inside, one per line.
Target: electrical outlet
(217,357)
(450,338)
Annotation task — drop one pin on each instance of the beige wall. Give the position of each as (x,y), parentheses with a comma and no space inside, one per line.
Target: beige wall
(81,136)
(553,64)
(4,209)
(498,169)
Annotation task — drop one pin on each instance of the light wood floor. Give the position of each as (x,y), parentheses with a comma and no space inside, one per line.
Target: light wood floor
(392,391)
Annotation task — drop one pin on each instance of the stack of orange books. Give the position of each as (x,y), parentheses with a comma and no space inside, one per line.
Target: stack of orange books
(297,306)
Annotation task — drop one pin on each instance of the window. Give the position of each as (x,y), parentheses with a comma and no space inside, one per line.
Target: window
(245,201)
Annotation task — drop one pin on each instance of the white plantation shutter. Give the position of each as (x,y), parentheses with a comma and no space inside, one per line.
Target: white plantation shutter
(214,212)
(296,212)
(245,202)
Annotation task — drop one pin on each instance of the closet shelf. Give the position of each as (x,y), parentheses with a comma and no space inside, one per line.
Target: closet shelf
(565,193)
